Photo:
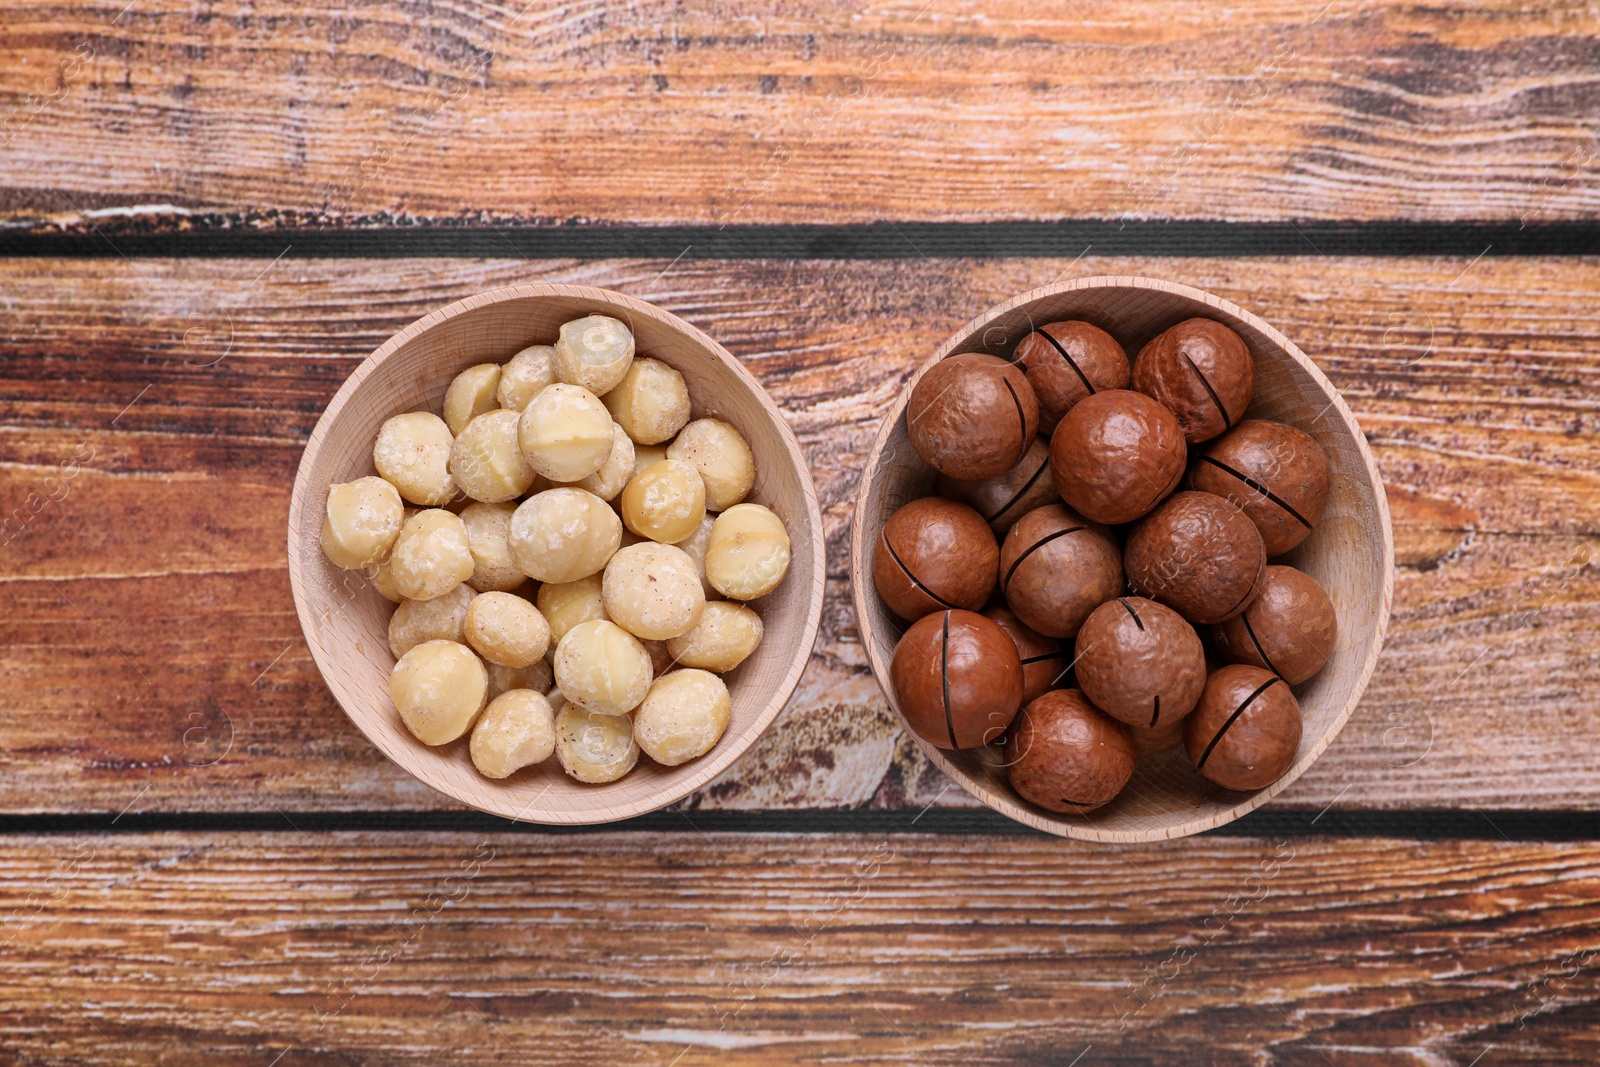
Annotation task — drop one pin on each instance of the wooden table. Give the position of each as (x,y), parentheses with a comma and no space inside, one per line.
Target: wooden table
(209,213)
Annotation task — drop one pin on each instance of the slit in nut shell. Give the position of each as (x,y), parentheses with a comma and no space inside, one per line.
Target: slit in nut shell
(1288,628)
(1140,662)
(1046,662)
(1005,499)
(972,416)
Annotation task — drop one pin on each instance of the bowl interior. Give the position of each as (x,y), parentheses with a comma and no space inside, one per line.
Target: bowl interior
(1350,552)
(346,620)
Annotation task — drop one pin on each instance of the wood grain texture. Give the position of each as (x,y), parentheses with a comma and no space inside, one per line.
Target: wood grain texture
(151,654)
(260,114)
(389,949)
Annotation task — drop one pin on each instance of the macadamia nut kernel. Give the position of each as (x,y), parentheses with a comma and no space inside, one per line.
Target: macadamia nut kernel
(561,535)
(748,554)
(651,402)
(647,456)
(721,455)
(525,376)
(471,394)
(684,715)
(486,460)
(653,591)
(516,730)
(665,502)
(566,604)
(602,666)
(723,638)
(439,619)
(412,453)
(695,545)
(565,433)
(431,556)
(439,688)
(503,628)
(488,536)
(615,473)
(594,352)
(594,747)
(362,522)
(536,676)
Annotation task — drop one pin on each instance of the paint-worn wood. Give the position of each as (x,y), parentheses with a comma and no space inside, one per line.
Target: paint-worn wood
(678,948)
(260,113)
(150,654)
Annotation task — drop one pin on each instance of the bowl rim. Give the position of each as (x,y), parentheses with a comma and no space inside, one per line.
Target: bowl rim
(704,770)
(861,585)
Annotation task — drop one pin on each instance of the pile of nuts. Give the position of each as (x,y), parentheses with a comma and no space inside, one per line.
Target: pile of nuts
(557,579)
(1097,523)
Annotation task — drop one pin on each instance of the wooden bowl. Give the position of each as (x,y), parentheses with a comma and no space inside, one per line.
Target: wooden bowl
(346,620)
(1351,552)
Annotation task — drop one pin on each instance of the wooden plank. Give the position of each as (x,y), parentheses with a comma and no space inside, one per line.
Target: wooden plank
(662,112)
(151,655)
(418,949)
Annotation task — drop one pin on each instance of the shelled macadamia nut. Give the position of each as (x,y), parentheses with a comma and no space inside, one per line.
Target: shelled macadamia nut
(1065,755)
(748,554)
(525,376)
(565,433)
(1289,627)
(1004,499)
(682,717)
(1202,372)
(566,604)
(594,747)
(362,522)
(488,536)
(516,730)
(932,554)
(1068,361)
(383,582)
(616,472)
(431,556)
(439,688)
(503,628)
(972,416)
(647,456)
(660,658)
(602,666)
(723,638)
(439,619)
(721,455)
(1246,730)
(594,352)
(471,393)
(412,453)
(664,503)
(538,677)
(651,402)
(487,461)
(695,545)
(653,591)
(561,535)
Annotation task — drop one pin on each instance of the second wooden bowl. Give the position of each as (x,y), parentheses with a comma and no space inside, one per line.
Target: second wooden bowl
(346,620)
(1351,552)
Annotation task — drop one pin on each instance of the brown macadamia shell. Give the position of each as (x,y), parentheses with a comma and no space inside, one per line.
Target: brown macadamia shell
(957,679)
(1056,567)
(1046,662)
(1289,628)
(1202,371)
(1004,499)
(1276,474)
(972,416)
(1116,455)
(1068,361)
(1140,662)
(1245,732)
(1065,755)
(1197,554)
(934,554)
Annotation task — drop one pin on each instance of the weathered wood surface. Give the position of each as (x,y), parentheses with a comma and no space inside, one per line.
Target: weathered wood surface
(665,112)
(149,653)
(296,949)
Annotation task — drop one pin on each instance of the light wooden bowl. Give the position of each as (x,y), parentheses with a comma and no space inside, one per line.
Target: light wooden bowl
(346,621)
(1351,552)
